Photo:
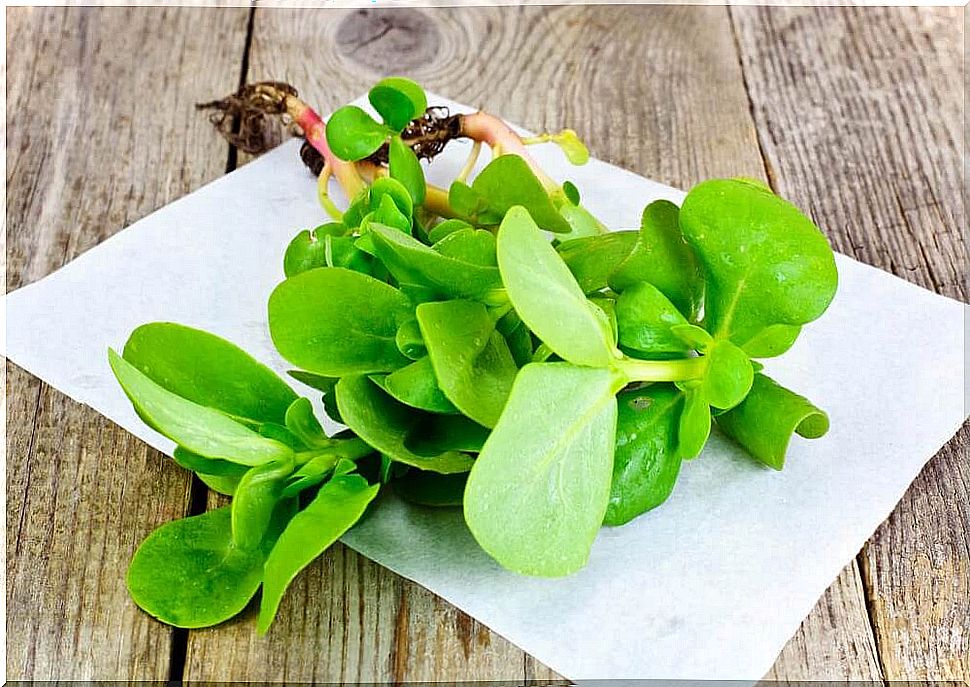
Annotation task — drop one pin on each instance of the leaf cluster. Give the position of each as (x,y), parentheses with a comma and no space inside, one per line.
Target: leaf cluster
(512,360)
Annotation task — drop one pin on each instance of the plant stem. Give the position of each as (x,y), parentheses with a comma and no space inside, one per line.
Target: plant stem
(489,129)
(662,370)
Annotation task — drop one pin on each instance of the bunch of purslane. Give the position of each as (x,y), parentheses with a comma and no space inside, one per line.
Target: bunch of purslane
(489,347)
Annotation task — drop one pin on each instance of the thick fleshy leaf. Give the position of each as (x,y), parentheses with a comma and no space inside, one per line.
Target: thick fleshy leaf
(309,250)
(729,375)
(765,420)
(593,259)
(471,360)
(765,262)
(412,262)
(435,434)
(404,167)
(646,462)
(199,429)
(417,386)
(409,340)
(547,297)
(431,489)
(537,494)
(645,319)
(187,573)
(662,257)
(352,134)
(255,500)
(333,321)
(474,246)
(338,505)
(449,226)
(303,424)
(773,340)
(208,370)
(398,101)
(504,183)
(386,424)
(694,425)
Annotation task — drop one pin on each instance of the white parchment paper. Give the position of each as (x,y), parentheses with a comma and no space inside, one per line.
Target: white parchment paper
(711,585)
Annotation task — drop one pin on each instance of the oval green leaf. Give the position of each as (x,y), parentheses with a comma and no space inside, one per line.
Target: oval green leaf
(188,574)
(404,167)
(398,101)
(352,134)
(645,319)
(199,429)
(765,262)
(471,360)
(386,424)
(537,494)
(547,297)
(646,462)
(333,321)
(208,370)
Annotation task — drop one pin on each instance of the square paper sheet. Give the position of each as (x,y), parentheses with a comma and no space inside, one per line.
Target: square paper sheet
(711,585)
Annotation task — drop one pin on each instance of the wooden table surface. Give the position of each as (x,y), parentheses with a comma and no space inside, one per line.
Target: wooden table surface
(853,114)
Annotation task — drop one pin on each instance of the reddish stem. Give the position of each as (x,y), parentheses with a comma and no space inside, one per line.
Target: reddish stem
(489,129)
(315,131)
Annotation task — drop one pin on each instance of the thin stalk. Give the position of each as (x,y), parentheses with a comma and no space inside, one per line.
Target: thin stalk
(680,370)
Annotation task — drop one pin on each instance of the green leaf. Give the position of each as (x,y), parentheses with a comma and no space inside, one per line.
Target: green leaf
(320,249)
(201,430)
(417,386)
(765,420)
(396,191)
(409,340)
(332,321)
(255,500)
(645,318)
(773,340)
(662,257)
(301,421)
(404,167)
(207,466)
(474,246)
(316,470)
(547,297)
(581,222)
(593,259)
(449,226)
(318,382)
(398,101)
(431,489)
(352,134)
(385,424)
(412,262)
(572,145)
(537,494)
(729,375)
(519,339)
(506,182)
(387,214)
(221,484)
(694,425)
(471,360)
(571,192)
(695,337)
(338,505)
(436,434)
(646,463)
(208,370)
(766,263)
(187,573)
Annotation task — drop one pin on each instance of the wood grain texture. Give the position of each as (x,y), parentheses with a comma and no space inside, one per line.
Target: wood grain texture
(617,76)
(861,124)
(100,132)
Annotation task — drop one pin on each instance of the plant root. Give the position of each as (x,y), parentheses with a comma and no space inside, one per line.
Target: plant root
(250,118)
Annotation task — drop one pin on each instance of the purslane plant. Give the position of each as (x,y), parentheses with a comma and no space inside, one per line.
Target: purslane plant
(489,347)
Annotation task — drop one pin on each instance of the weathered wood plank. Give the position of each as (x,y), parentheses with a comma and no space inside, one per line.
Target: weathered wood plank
(862,125)
(100,132)
(646,94)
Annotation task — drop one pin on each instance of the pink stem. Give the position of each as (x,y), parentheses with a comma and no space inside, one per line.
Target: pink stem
(489,129)
(315,131)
